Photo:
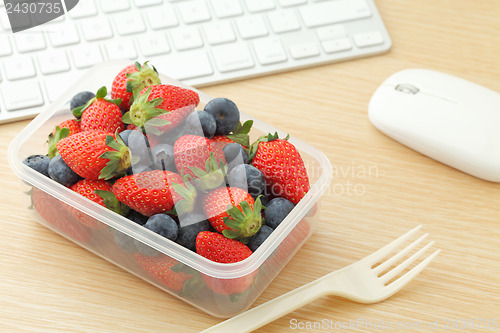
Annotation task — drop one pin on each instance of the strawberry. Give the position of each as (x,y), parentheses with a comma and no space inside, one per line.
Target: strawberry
(160,268)
(72,124)
(161,107)
(233,212)
(54,212)
(218,248)
(282,166)
(98,191)
(154,192)
(192,151)
(95,155)
(100,114)
(131,78)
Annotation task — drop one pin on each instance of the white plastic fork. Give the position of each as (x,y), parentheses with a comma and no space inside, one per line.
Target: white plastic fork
(361,282)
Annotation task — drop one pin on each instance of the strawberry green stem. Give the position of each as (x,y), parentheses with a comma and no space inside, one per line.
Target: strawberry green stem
(244,223)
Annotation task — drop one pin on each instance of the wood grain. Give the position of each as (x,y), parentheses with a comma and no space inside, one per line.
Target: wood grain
(48,284)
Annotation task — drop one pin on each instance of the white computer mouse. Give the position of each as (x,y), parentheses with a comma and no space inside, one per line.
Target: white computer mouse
(449,119)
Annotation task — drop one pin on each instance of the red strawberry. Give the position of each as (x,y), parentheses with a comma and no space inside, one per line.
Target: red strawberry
(168,104)
(81,153)
(192,151)
(53,211)
(100,114)
(94,155)
(95,190)
(233,212)
(133,77)
(282,165)
(72,124)
(218,248)
(154,192)
(160,268)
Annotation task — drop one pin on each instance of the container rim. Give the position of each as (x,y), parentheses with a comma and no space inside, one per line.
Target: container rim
(124,225)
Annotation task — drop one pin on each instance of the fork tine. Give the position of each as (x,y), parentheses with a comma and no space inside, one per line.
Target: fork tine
(398,284)
(401,267)
(373,258)
(382,267)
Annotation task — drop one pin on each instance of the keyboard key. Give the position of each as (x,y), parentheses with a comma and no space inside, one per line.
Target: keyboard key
(27,42)
(284,21)
(53,62)
(86,55)
(19,67)
(269,51)
(153,43)
(186,38)
(63,34)
(219,32)
(147,3)
(111,6)
(194,11)
(84,8)
(252,26)
(184,65)
(368,39)
(96,29)
(330,12)
(4,21)
(232,57)
(21,95)
(121,49)
(161,17)
(5,48)
(129,23)
(255,6)
(331,32)
(226,8)
(305,50)
(288,3)
(337,45)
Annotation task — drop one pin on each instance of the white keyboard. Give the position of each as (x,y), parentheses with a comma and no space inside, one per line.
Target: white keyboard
(201,42)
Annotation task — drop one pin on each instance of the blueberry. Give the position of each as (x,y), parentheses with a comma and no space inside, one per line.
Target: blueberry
(277,210)
(138,145)
(163,157)
(38,163)
(191,226)
(249,178)
(124,242)
(81,99)
(225,113)
(61,172)
(235,154)
(163,225)
(259,238)
(137,217)
(199,121)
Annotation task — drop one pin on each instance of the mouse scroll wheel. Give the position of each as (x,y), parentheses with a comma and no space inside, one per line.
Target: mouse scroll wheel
(407,88)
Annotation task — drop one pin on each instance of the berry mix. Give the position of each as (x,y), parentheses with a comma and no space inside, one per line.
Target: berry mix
(191,176)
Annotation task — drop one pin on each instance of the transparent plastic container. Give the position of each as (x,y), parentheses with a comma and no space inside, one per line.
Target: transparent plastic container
(187,275)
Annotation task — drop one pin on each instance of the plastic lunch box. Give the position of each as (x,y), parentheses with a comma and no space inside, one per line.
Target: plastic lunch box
(189,276)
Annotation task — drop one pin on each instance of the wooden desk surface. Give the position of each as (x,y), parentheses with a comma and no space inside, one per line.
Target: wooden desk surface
(48,284)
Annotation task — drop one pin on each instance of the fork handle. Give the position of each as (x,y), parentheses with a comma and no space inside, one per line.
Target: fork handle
(265,313)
